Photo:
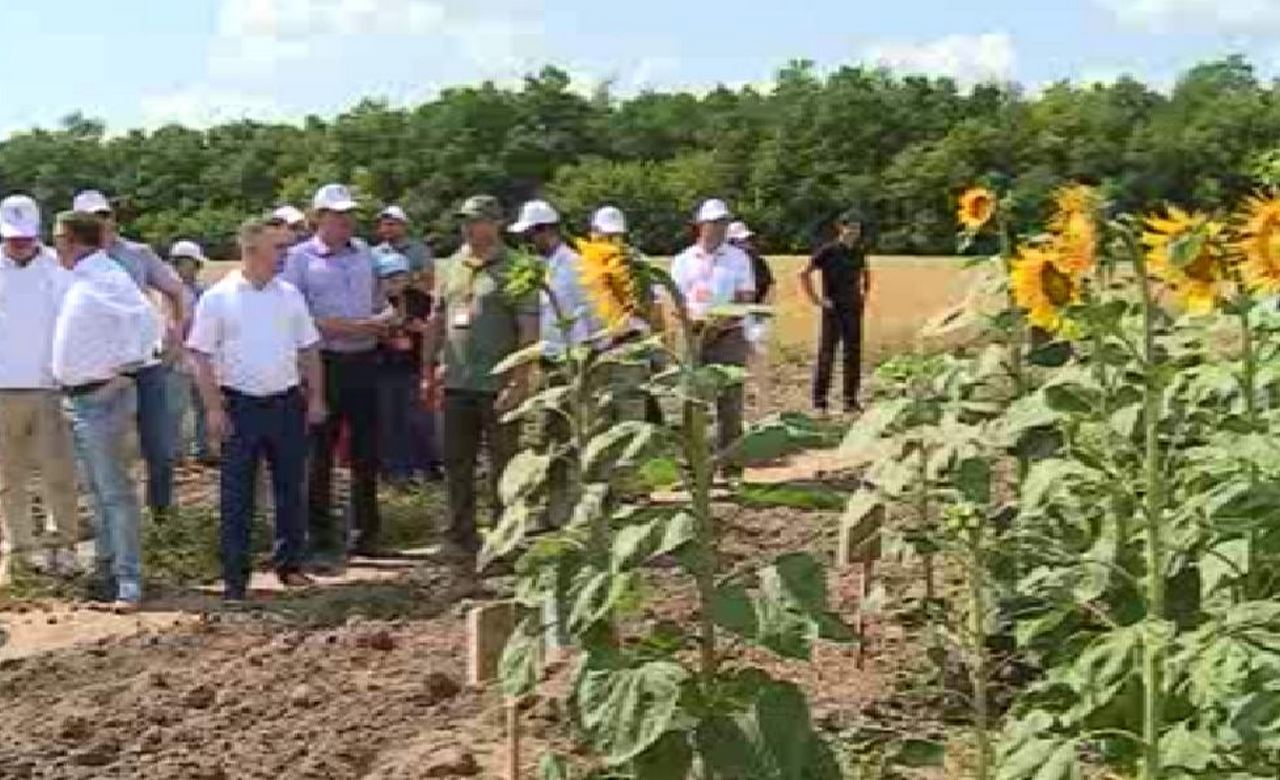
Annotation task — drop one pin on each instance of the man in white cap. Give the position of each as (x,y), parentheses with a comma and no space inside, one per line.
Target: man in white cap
(713,273)
(608,224)
(106,331)
(335,272)
(155,420)
(188,259)
(393,229)
(756,328)
(32,429)
(294,219)
(567,321)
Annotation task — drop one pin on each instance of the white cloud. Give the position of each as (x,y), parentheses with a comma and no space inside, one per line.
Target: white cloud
(966,58)
(1238,16)
(204,107)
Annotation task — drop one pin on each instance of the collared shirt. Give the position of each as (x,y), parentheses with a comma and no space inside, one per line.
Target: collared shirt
(564,277)
(482,322)
(30,296)
(253,334)
(413,250)
(144,266)
(105,326)
(338,283)
(710,279)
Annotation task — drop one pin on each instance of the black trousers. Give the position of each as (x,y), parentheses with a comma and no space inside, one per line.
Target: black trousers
(470,423)
(351,386)
(841,327)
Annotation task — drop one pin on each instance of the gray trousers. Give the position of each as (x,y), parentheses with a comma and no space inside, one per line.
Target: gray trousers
(470,422)
(728,348)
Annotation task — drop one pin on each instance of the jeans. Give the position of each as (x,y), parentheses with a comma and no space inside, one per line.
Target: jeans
(407,430)
(275,429)
(155,434)
(100,424)
(841,326)
(184,399)
(471,420)
(351,381)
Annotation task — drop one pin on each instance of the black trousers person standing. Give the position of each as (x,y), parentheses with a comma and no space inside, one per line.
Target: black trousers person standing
(842,332)
(351,387)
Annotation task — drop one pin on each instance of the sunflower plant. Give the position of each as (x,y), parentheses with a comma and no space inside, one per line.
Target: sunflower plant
(651,698)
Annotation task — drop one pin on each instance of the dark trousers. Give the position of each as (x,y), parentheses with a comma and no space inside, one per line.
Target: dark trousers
(275,429)
(407,430)
(728,348)
(470,421)
(351,386)
(155,434)
(841,326)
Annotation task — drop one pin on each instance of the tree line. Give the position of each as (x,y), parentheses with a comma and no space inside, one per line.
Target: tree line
(895,147)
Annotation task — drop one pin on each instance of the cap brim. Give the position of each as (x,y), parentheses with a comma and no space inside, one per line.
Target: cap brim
(341,206)
(13,231)
(520,227)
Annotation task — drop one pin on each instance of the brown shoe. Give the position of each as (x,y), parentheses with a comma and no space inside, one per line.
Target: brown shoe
(295,579)
(123,607)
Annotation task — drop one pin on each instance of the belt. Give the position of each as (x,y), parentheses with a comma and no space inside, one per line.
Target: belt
(364,356)
(75,391)
(274,398)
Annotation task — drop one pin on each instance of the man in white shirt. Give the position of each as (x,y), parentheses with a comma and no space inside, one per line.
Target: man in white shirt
(154,417)
(106,330)
(32,430)
(713,273)
(256,349)
(566,321)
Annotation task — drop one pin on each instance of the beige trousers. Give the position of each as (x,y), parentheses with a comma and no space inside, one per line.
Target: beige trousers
(34,436)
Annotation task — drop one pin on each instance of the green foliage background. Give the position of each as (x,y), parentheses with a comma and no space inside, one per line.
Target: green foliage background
(896,147)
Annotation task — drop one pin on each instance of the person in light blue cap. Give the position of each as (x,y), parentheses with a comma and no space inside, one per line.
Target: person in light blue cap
(407,434)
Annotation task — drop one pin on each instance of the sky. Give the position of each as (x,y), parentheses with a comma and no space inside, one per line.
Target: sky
(143,63)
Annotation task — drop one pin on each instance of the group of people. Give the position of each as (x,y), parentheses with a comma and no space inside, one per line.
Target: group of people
(317,343)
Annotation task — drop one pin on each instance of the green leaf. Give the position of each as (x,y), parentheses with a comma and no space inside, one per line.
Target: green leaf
(973,478)
(554,766)
(511,531)
(525,474)
(737,310)
(594,594)
(1187,748)
(1070,398)
(521,661)
(551,398)
(873,425)
(619,446)
(1040,759)
(1055,354)
(636,545)
(919,753)
(732,609)
(727,751)
(793,496)
(626,711)
(862,520)
(522,357)
(670,758)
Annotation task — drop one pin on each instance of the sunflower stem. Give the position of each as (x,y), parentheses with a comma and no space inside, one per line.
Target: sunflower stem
(1249,386)
(1153,506)
(1017,330)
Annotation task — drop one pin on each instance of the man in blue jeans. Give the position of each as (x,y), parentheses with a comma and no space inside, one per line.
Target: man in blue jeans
(256,351)
(105,331)
(154,417)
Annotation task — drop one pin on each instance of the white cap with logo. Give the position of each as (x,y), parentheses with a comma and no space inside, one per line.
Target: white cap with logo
(19,217)
(738,231)
(394,212)
(533,214)
(187,249)
(713,210)
(334,197)
(609,221)
(91,202)
(289,215)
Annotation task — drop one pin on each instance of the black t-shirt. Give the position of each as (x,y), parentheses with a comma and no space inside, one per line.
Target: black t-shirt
(842,268)
(402,348)
(764,276)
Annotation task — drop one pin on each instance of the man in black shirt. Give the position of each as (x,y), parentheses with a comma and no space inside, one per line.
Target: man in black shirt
(846,282)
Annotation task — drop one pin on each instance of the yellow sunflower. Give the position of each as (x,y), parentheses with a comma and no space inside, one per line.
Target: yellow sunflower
(1260,243)
(1198,282)
(977,207)
(1075,226)
(608,282)
(1044,284)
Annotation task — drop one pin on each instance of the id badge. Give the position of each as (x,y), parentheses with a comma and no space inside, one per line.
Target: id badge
(462,318)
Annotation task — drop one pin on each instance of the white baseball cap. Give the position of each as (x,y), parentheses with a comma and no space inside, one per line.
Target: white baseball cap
(713,210)
(394,212)
(19,217)
(738,231)
(334,197)
(91,202)
(609,221)
(188,249)
(533,214)
(289,215)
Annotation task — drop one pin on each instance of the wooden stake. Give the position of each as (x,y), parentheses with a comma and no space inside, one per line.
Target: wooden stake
(513,739)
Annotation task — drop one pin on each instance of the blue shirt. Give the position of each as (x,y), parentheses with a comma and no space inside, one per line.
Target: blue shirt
(337,283)
(143,265)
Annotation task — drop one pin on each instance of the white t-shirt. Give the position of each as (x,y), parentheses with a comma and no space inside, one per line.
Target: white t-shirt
(253,335)
(564,277)
(105,325)
(30,297)
(712,279)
